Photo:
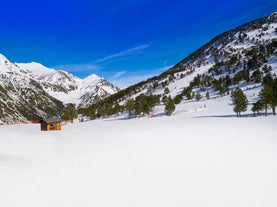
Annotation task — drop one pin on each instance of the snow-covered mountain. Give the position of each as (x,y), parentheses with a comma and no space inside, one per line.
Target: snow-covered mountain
(21,96)
(241,57)
(69,88)
(93,89)
(30,91)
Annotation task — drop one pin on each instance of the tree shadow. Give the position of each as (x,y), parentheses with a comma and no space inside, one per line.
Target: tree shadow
(160,114)
(225,116)
(119,118)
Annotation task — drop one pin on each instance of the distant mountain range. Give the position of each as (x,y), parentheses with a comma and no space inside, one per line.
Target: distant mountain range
(31,91)
(69,88)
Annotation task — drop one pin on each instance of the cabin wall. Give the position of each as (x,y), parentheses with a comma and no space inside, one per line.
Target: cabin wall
(58,126)
(48,127)
(43,126)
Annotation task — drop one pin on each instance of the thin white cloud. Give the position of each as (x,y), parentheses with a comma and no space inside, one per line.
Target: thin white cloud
(163,69)
(123,81)
(130,51)
(78,67)
(118,74)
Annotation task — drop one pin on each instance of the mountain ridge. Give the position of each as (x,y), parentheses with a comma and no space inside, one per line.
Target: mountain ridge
(69,88)
(29,91)
(272,18)
(241,57)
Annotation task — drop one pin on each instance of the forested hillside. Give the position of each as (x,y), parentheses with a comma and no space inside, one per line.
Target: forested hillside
(243,57)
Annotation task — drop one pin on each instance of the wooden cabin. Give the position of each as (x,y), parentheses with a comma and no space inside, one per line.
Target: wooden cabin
(51,124)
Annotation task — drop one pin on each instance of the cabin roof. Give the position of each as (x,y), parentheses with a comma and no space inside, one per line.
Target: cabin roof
(52,120)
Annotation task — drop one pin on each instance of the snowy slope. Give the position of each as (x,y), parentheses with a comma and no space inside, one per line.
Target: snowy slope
(234,43)
(245,49)
(196,158)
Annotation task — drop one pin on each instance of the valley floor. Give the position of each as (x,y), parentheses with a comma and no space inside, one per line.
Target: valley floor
(198,157)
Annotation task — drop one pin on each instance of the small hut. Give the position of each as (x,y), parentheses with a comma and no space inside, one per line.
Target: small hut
(51,124)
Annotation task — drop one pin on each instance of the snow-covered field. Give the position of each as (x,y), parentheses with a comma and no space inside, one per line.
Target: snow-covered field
(198,157)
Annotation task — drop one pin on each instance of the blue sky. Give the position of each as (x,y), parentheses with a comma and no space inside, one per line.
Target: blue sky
(122,41)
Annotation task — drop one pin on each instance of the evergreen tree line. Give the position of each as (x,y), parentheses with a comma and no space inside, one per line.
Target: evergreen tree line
(252,68)
(223,83)
(69,112)
(267,96)
(144,105)
(140,106)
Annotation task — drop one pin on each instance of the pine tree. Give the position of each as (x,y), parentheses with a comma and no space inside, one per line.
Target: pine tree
(142,106)
(108,109)
(166,91)
(198,96)
(165,99)
(257,76)
(257,107)
(116,109)
(274,101)
(92,114)
(268,95)
(239,101)
(169,107)
(130,106)
(70,112)
(207,95)
(178,99)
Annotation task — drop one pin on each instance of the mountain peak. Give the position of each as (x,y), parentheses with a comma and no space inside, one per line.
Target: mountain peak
(3,60)
(36,68)
(92,78)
